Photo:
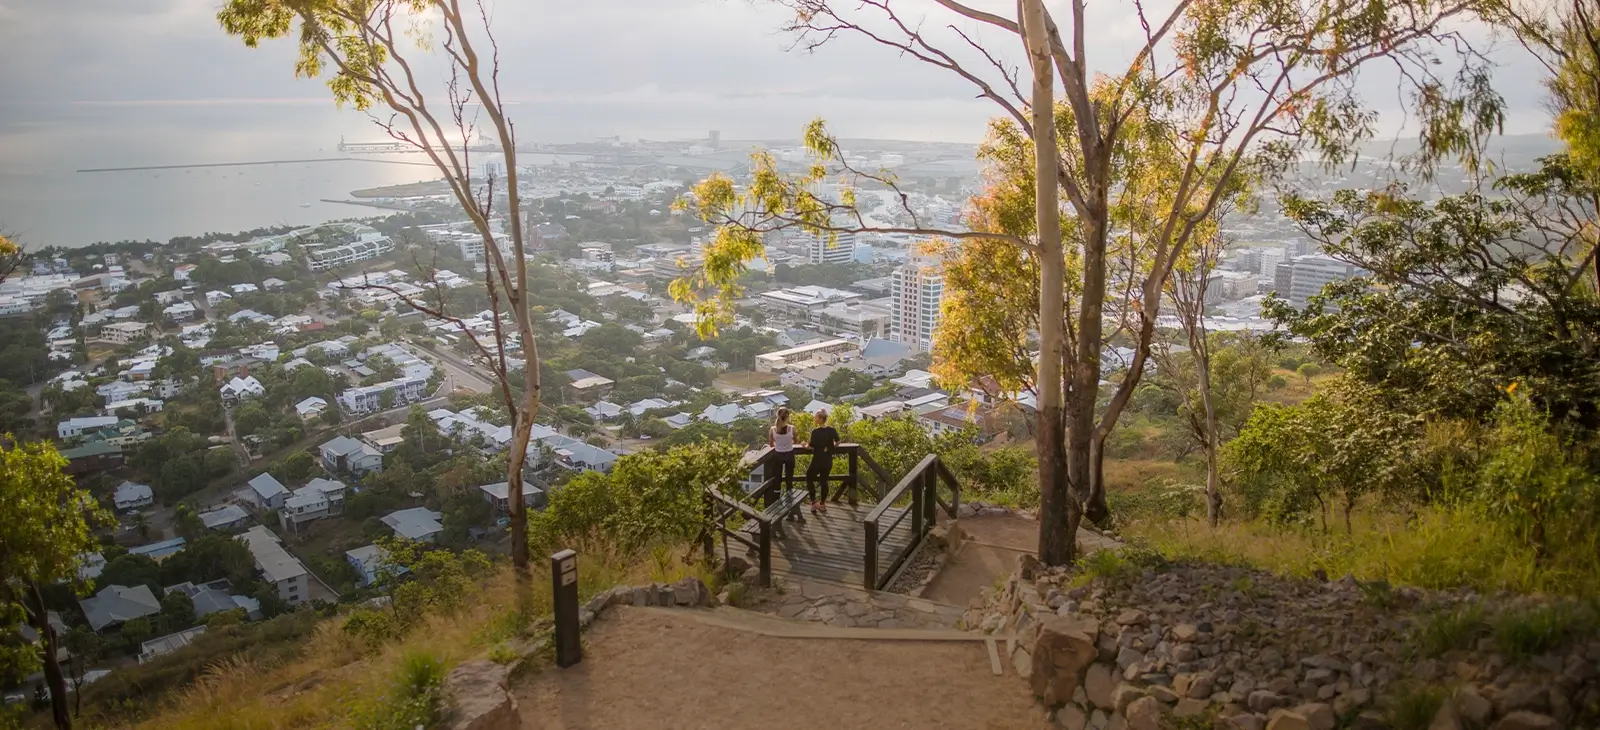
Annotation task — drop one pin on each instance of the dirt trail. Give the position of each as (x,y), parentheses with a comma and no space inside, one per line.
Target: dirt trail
(665,669)
(995,543)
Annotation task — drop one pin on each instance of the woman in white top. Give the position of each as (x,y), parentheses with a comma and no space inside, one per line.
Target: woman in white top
(781,438)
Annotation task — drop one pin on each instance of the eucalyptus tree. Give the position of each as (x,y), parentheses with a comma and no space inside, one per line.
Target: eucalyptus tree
(1093,200)
(371,52)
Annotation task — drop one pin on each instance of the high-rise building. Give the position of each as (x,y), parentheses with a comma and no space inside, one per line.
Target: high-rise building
(915,295)
(1310,273)
(840,250)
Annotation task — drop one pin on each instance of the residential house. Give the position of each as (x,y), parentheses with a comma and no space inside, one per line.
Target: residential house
(213,298)
(239,389)
(114,605)
(180,311)
(159,551)
(225,368)
(883,357)
(316,500)
(264,492)
(587,387)
(225,519)
(311,407)
(182,271)
(277,566)
(73,427)
(604,411)
(371,398)
(385,439)
(368,560)
(140,406)
(96,456)
(637,410)
(721,415)
(170,643)
(245,288)
(215,597)
(418,524)
(171,296)
(122,333)
(824,351)
(132,495)
(957,418)
(345,455)
(498,495)
(273,283)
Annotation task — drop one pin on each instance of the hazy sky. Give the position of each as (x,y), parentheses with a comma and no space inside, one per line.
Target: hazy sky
(720,61)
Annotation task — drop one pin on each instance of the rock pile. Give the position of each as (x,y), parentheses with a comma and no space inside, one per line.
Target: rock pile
(1254,651)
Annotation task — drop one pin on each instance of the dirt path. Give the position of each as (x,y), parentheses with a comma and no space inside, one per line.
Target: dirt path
(995,542)
(661,669)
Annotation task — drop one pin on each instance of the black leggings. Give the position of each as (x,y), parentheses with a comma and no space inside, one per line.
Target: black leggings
(784,463)
(817,474)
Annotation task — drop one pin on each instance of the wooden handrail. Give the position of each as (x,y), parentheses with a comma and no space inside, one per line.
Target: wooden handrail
(899,490)
(736,505)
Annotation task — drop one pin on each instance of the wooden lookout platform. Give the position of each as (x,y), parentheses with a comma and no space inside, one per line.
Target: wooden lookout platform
(871,527)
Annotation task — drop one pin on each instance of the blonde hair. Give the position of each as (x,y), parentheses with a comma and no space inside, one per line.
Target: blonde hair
(821,416)
(783,419)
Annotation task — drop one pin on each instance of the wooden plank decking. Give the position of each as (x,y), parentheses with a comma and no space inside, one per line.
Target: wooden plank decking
(831,547)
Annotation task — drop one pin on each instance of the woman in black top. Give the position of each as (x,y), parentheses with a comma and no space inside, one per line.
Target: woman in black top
(824,439)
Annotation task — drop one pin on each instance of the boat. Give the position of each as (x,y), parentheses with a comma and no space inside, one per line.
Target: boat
(305,205)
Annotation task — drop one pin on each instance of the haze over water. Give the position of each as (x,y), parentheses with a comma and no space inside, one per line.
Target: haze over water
(46,202)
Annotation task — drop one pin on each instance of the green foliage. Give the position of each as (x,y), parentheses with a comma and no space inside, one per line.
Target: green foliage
(844,381)
(131,570)
(1530,631)
(648,497)
(1292,462)
(1450,629)
(1413,708)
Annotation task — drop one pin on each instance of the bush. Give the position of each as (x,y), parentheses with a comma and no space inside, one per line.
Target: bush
(1529,632)
(415,698)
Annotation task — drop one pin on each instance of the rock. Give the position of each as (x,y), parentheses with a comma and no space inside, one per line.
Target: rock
(1098,720)
(1125,695)
(1128,656)
(1472,707)
(1263,700)
(992,623)
(1072,718)
(1185,653)
(1185,632)
(1520,696)
(692,591)
(1320,677)
(1188,707)
(1370,720)
(1282,686)
(1286,720)
(1131,617)
(1355,699)
(735,567)
(1099,684)
(1320,715)
(479,699)
(1162,694)
(1061,654)
(1022,662)
(1524,720)
(1144,714)
(1201,687)
(1445,718)
(1029,567)
(642,596)
(1246,721)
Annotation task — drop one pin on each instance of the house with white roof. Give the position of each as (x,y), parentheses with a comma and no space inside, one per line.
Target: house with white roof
(122,333)
(239,389)
(132,495)
(371,562)
(721,415)
(418,524)
(181,272)
(158,646)
(214,297)
(180,311)
(264,492)
(604,410)
(273,283)
(498,495)
(277,566)
(245,288)
(311,407)
(74,427)
(370,398)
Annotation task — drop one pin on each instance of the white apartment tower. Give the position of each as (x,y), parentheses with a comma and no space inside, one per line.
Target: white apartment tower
(840,250)
(915,295)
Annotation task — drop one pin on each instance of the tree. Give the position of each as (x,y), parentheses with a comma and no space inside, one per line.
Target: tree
(85,647)
(131,570)
(1218,98)
(186,523)
(48,525)
(250,418)
(359,41)
(844,381)
(177,612)
(135,632)
(1308,371)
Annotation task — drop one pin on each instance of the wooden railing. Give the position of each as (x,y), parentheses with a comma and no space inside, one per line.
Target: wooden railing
(921,488)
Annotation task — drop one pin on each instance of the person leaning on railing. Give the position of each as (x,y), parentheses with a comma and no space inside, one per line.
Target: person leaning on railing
(824,440)
(781,438)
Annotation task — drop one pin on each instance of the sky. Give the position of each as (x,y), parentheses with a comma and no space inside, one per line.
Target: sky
(716,64)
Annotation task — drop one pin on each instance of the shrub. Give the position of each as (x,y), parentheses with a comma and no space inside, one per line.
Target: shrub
(1413,708)
(1450,629)
(1529,632)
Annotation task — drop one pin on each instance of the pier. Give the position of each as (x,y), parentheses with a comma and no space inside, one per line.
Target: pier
(260,162)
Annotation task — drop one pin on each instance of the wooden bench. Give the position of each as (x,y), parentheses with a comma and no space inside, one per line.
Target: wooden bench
(786,504)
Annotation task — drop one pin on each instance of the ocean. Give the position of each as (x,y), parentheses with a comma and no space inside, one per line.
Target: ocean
(45,201)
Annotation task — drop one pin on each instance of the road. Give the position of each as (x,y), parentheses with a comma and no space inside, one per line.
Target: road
(462,373)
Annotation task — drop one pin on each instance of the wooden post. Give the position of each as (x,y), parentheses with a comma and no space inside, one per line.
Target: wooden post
(918,496)
(766,555)
(855,475)
(708,541)
(930,501)
(869,567)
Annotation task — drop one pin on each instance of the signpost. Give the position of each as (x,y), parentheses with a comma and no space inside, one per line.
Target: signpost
(564,586)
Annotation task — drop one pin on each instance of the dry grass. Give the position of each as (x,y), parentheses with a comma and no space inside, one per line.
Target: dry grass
(337,672)
(745,379)
(1436,548)
(1133,474)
